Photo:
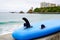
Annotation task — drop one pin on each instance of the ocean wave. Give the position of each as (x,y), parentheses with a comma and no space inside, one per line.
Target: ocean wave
(10,22)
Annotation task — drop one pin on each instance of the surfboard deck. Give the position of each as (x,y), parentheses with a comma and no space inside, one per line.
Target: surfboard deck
(51,26)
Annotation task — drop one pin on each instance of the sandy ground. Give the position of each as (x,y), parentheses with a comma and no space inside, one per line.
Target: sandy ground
(51,37)
(6,37)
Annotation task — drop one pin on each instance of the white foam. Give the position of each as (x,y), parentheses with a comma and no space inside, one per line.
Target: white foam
(10,30)
(5,33)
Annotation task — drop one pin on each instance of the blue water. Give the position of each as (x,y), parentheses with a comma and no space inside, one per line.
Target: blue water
(11,21)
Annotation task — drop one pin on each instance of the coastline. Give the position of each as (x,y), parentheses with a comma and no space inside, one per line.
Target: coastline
(46,13)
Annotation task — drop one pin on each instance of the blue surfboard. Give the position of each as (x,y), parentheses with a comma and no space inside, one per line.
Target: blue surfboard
(36,30)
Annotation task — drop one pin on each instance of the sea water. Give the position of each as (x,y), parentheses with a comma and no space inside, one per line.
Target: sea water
(11,21)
